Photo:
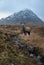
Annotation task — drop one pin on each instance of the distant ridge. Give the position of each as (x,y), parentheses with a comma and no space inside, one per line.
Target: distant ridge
(23,17)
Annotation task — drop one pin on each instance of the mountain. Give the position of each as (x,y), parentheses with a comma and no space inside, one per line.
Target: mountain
(23,17)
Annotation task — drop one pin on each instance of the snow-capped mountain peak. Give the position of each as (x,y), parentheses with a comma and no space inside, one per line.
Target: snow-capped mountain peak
(24,16)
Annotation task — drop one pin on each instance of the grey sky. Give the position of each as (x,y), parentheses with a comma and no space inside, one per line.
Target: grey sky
(7,7)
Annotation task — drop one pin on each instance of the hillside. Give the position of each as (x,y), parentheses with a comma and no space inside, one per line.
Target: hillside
(16,48)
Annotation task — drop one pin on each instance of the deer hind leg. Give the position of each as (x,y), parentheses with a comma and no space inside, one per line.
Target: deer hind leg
(28,33)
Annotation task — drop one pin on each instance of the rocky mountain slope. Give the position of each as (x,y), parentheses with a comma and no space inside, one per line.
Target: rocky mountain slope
(23,17)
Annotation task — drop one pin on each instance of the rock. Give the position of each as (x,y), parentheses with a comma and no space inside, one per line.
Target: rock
(30,49)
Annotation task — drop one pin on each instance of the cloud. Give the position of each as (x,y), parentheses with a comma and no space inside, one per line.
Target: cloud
(4,14)
(7,5)
(12,6)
